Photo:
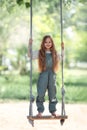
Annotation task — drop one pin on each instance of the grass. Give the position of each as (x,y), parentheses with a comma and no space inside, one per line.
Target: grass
(75,85)
(17,87)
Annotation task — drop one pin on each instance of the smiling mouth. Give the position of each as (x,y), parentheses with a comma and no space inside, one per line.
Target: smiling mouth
(48,46)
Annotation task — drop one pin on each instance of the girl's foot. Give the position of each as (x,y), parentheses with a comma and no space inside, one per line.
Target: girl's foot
(39,115)
(54,114)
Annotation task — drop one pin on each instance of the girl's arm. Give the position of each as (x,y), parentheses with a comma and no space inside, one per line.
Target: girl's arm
(34,53)
(61,55)
(62,47)
(29,44)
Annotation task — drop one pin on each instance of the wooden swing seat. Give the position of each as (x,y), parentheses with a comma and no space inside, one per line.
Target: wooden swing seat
(32,118)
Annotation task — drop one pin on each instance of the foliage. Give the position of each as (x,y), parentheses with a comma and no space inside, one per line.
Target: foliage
(17,87)
(82,48)
(14,28)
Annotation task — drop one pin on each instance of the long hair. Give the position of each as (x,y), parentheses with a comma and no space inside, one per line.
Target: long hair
(41,59)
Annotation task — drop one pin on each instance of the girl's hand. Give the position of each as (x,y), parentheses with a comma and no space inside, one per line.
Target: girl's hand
(30,41)
(62,45)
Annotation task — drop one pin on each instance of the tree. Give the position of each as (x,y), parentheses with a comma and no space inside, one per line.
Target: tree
(46,19)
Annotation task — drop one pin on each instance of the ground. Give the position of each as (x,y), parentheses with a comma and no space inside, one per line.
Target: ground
(13,116)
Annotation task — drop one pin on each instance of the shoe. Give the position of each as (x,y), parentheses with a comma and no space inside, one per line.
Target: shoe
(39,115)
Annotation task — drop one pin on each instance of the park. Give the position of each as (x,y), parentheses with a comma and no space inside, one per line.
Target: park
(24,19)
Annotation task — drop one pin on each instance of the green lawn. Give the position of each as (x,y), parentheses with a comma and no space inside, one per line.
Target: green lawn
(75,82)
(17,87)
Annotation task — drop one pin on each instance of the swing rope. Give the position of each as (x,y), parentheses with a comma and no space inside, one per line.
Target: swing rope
(62,51)
(62,63)
(30,49)
(31,118)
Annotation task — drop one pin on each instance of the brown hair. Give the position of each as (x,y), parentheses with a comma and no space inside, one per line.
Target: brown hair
(41,59)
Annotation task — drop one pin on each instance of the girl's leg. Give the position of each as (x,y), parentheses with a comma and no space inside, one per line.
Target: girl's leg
(41,89)
(52,92)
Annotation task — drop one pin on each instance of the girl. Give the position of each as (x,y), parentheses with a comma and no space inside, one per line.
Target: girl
(48,62)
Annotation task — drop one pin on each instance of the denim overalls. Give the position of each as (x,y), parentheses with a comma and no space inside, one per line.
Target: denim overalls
(46,81)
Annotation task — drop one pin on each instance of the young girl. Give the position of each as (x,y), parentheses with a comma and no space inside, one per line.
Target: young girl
(48,61)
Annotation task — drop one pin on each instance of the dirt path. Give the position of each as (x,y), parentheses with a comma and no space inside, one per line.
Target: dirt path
(13,117)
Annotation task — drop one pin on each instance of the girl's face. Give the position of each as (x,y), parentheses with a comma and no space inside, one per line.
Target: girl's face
(48,44)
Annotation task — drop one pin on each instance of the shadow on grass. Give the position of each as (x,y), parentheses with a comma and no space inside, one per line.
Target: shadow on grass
(69,84)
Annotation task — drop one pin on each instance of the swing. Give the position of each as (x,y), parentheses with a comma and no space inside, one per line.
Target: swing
(63,116)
